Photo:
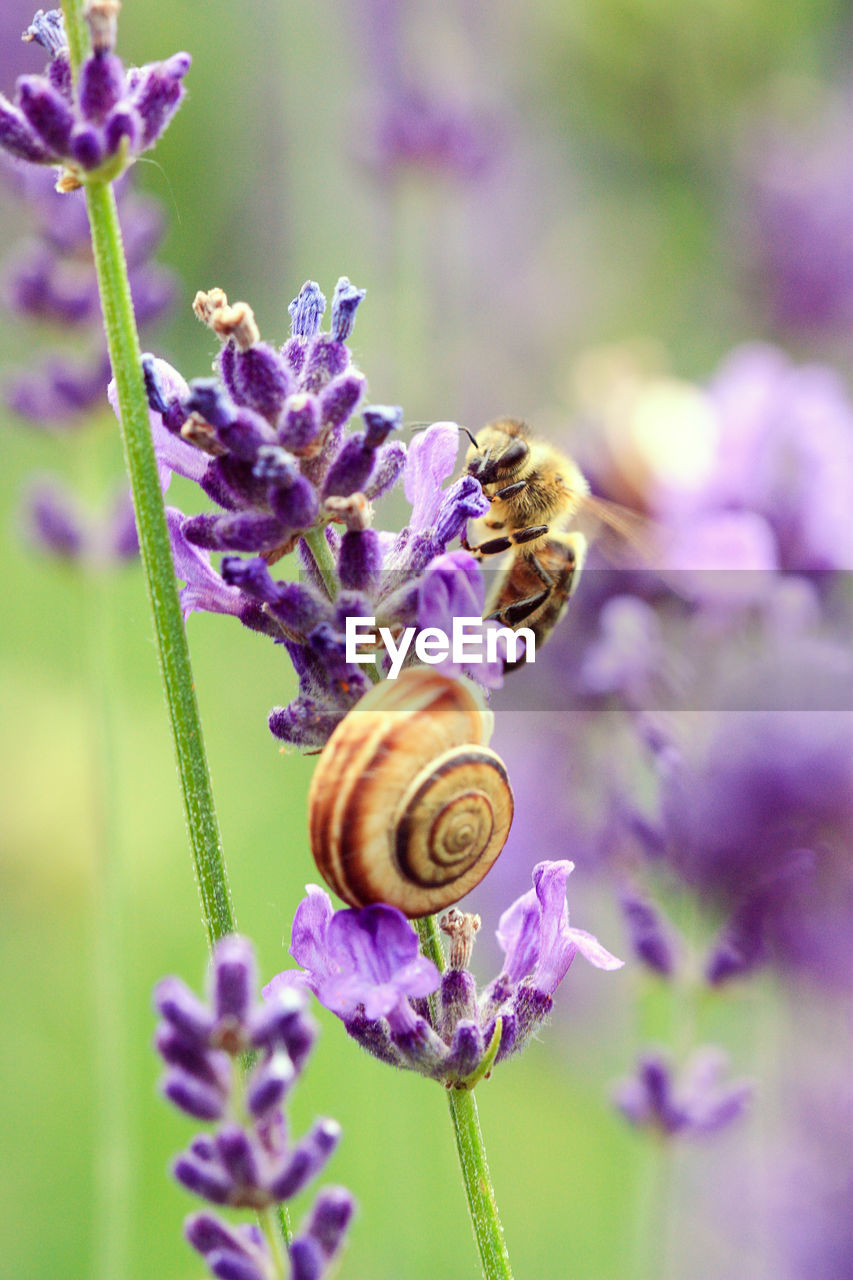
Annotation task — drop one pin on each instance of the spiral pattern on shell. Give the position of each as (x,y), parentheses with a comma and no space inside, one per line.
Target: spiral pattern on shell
(408,805)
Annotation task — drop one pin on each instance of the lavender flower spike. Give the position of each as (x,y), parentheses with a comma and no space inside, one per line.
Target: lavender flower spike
(250,1162)
(364,966)
(703,1104)
(115,115)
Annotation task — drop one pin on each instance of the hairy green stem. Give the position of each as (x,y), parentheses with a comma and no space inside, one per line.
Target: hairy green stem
(123,345)
(470,1148)
(173,652)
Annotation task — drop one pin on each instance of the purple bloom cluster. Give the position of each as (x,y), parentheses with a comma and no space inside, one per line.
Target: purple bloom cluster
(701,1104)
(365,967)
(267,440)
(50,280)
(57,523)
(95,128)
(249,1160)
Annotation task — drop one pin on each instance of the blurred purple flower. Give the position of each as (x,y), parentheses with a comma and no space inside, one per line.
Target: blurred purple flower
(798,222)
(246,1163)
(701,1104)
(97,130)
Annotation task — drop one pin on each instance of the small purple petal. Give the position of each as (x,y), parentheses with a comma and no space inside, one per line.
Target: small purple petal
(183,1009)
(306,310)
(233,978)
(306,1159)
(269,1083)
(47,112)
(198,1099)
(100,85)
(431,459)
(345,301)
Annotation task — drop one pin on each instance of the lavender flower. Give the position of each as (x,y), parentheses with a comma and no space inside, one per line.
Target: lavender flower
(364,966)
(251,1162)
(50,280)
(702,1105)
(96,128)
(56,522)
(267,441)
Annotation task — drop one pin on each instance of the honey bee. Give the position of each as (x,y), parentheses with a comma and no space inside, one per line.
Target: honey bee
(536,495)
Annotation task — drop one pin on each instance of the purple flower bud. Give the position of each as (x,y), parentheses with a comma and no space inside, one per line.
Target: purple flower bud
(269,1083)
(299,424)
(54,521)
(86,146)
(340,397)
(306,1159)
(231,1266)
(241,430)
(295,505)
(360,560)
(207,1065)
(329,1218)
(100,86)
(304,722)
(379,421)
(207,1233)
(59,75)
(350,470)
(275,464)
(47,112)
(122,125)
(48,30)
(18,137)
(466,1051)
(281,1022)
(233,978)
(249,531)
(183,1009)
(306,310)
(235,1150)
(325,359)
(306,1260)
(262,380)
(458,995)
(345,301)
(648,934)
(202,1178)
(387,469)
(157,93)
(199,1099)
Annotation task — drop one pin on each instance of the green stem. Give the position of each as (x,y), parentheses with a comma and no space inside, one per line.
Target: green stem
(173,652)
(470,1147)
(76,33)
(323,558)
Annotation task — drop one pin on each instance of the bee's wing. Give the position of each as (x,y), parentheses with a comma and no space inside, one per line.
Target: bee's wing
(624,537)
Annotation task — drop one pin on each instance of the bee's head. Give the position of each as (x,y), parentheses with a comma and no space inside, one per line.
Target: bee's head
(496,455)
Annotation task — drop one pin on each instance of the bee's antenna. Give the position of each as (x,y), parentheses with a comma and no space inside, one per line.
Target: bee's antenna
(417,426)
(470,437)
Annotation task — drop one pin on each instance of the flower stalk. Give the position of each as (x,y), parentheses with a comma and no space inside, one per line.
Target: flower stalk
(479,1192)
(173,652)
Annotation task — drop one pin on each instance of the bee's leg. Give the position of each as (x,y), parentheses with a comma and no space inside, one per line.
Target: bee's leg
(512,614)
(509,491)
(494,546)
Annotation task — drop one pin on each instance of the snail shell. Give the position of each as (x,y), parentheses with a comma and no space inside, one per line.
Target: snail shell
(407,804)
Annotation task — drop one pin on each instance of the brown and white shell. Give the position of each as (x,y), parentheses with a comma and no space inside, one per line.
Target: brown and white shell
(408,805)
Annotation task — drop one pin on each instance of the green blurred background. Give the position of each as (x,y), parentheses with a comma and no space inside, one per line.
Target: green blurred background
(612,207)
